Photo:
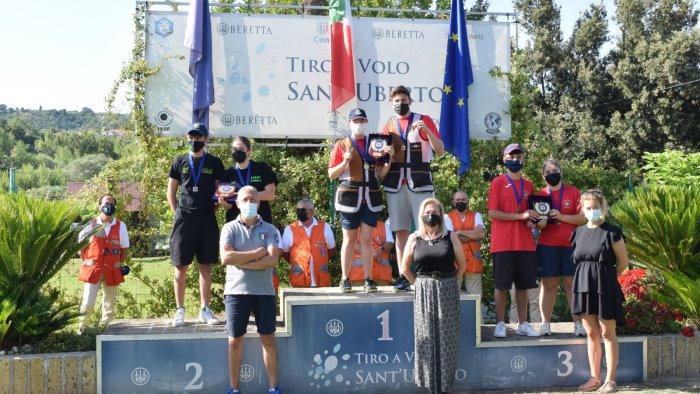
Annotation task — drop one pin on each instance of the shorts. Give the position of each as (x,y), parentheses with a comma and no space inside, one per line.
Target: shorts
(238,308)
(403,206)
(519,267)
(555,261)
(351,221)
(192,238)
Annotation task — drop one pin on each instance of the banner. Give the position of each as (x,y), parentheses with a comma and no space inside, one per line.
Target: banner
(272,74)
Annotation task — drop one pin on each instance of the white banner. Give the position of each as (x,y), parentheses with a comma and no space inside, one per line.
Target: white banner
(272,74)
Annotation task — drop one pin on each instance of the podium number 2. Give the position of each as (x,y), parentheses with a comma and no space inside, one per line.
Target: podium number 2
(384,317)
(566,362)
(197,374)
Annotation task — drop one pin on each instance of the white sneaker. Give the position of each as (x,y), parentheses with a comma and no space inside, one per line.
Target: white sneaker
(179,319)
(206,316)
(545,329)
(579,331)
(526,329)
(500,331)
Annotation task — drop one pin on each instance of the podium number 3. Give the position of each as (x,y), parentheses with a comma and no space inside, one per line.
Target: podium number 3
(566,362)
(384,317)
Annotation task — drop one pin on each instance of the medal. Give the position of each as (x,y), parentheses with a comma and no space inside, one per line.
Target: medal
(195,189)
(518,196)
(362,153)
(198,173)
(403,147)
(366,166)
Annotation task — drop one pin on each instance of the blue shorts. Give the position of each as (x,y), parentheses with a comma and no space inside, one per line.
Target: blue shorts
(351,221)
(238,308)
(555,261)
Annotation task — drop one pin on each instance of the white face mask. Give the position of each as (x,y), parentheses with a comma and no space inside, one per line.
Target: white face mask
(358,128)
(593,215)
(249,210)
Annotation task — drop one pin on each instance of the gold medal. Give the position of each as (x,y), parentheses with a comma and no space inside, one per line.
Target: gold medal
(366,166)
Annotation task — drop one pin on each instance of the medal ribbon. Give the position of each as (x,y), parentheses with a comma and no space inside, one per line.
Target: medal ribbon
(402,134)
(518,198)
(240,176)
(561,197)
(196,175)
(363,154)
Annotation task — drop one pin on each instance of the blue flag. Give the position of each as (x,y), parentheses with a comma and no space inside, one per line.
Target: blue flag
(454,114)
(198,39)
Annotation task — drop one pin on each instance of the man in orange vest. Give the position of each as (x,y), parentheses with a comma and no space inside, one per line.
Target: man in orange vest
(382,242)
(308,244)
(103,259)
(469,227)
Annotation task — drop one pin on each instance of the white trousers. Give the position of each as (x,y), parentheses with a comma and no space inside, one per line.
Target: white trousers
(109,297)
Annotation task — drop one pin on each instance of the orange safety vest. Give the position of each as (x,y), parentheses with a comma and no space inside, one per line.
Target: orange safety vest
(471,248)
(381,268)
(104,254)
(301,252)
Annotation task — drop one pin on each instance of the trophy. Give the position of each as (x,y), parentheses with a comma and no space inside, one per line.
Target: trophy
(542,205)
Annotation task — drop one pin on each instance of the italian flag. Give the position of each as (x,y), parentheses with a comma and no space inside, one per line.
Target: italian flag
(342,59)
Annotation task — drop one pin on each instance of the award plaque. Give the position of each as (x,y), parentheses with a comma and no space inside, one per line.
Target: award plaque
(542,205)
(377,143)
(227,191)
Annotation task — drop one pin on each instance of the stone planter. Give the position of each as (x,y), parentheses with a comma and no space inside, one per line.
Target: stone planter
(48,373)
(673,355)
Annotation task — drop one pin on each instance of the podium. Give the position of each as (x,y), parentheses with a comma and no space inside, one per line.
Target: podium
(330,342)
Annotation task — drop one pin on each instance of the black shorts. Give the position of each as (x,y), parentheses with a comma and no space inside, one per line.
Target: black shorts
(519,267)
(192,238)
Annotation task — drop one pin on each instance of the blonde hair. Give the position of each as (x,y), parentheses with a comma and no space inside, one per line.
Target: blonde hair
(422,228)
(597,196)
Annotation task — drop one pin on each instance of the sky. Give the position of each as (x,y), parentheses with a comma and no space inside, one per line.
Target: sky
(67,54)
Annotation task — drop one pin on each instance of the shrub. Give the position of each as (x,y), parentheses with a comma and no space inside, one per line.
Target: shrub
(644,314)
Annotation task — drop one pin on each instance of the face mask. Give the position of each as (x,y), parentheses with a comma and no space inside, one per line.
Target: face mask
(460,206)
(239,156)
(593,215)
(358,128)
(431,219)
(108,209)
(514,165)
(401,109)
(553,179)
(302,215)
(196,146)
(249,210)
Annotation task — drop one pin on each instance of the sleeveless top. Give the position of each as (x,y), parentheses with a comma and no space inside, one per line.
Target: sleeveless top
(435,255)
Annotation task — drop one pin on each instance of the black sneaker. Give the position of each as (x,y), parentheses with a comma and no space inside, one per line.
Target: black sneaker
(370,286)
(345,286)
(402,284)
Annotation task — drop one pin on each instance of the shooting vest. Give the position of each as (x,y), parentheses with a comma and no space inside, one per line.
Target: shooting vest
(102,256)
(471,248)
(414,167)
(358,183)
(303,249)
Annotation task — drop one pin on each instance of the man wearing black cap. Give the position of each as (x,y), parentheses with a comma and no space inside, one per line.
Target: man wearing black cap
(358,198)
(195,232)
(512,243)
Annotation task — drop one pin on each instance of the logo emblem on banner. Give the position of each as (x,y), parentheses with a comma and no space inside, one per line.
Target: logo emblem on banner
(493,122)
(322,28)
(247,373)
(334,327)
(140,376)
(164,27)
(164,118)
(518,364)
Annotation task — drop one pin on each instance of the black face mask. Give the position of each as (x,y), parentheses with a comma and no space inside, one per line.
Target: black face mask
(460,206)
(553,179)
(302,215)
(196,146)
(108,209)
(401,109)
(431,219)
(239,156)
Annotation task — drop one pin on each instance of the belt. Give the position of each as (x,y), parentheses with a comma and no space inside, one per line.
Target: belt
(436,274)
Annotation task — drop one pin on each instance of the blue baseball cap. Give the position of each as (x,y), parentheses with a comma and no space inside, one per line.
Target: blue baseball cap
(199,128)
(357,113)
(512,148)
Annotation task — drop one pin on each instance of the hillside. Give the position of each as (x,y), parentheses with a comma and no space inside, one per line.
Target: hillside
(61,119)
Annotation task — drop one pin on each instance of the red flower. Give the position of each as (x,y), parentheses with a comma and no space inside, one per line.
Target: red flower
(687,331)
(631,322)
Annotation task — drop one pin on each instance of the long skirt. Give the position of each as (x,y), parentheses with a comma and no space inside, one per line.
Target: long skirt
(436,330)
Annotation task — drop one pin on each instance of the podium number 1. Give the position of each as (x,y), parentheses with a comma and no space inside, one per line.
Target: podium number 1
(384,317)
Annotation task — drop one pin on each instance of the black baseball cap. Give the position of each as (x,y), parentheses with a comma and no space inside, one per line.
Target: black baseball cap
(357,113)
(199,128)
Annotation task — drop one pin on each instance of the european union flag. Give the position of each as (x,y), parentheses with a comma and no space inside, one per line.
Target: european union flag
(454,114)
(198,39)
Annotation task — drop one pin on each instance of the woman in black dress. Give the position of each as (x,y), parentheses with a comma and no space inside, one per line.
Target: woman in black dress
(434,250)
(600,256)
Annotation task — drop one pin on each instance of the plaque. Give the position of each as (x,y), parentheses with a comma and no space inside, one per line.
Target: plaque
(542,205)
(227,191)
(377,143)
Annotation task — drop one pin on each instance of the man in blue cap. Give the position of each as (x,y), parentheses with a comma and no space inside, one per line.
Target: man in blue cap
(358,198)
(192,181)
